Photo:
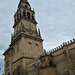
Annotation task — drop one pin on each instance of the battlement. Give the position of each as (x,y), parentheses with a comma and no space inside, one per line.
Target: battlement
(68,43)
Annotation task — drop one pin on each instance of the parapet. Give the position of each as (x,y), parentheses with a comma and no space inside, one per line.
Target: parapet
(68,43)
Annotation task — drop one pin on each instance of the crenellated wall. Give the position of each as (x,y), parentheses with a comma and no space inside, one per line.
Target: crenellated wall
(64,57)
(68,43)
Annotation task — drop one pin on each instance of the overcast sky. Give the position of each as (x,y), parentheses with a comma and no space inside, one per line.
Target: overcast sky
(56,19)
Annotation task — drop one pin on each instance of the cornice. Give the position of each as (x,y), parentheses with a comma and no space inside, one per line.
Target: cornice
(16,39)
(7,50)
(25,18)
(22,58)
(19,37)
(25,35)
(42,56)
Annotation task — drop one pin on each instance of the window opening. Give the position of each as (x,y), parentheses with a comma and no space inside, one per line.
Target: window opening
(28,15)
(24,14)
(8,73)
(26,6)
(50,62)
(32,17)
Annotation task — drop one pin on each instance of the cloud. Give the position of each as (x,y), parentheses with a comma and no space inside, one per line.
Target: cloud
(56,19)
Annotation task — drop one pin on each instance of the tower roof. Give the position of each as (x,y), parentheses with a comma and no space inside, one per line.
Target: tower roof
(23,1)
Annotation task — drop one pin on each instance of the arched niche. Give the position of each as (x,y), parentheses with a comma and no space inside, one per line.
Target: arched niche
(26,6)
(33,17)
(28,15)
(24,13)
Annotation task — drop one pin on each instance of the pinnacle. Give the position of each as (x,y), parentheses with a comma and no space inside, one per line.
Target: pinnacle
(25,0)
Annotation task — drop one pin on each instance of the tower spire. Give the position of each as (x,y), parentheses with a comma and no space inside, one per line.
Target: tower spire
(24,0)
(24,11)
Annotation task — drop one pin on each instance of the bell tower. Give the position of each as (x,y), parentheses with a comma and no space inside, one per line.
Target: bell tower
(24,19)
(26,42)
(25,30)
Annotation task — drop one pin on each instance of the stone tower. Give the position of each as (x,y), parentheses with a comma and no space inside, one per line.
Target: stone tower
(26,42)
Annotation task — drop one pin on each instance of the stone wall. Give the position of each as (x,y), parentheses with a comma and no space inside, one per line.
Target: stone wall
(64,57)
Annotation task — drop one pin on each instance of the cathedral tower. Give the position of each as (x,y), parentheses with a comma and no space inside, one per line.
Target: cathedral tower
(26,42)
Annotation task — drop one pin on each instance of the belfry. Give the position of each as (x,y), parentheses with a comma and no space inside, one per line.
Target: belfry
(26,42)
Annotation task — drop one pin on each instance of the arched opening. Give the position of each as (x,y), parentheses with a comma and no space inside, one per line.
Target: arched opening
(33,17)
(28,15)
(18,71)
(20,14)
(8,73)
(50,63)
(24,14)
(26,6)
